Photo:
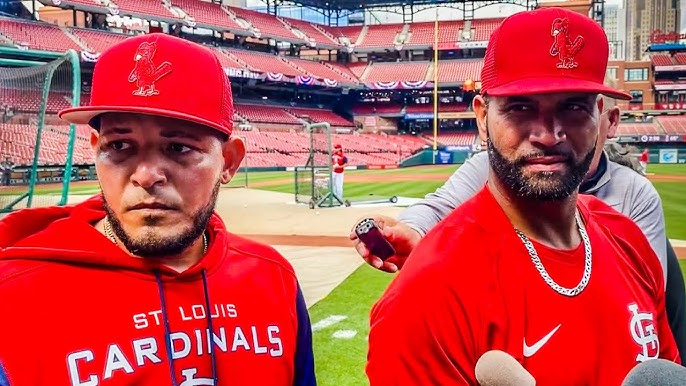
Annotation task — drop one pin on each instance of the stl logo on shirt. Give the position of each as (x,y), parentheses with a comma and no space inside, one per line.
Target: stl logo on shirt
(642,327)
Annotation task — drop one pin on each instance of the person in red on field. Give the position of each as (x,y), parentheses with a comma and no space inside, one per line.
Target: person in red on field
(339,162)
(563,283)
(644,161)
(143,284)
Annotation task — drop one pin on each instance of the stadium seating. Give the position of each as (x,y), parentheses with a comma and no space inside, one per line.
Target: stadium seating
(318,115)
(390,72)
(152,8)
(347,72)
(49,37)
(319,70)
(267,24)
(267,114)
(352,33)
(450,71)
(637,129)
(454,139)
(37,36)
(483,28)
(29,100)
(680,58)
(674,125)
(206,13)
(422,34)
(380,35)
(97,41)
(311,32)
(228,61)
(265,62)
(19,141)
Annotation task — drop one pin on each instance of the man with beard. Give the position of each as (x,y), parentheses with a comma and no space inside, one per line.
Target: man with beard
(609,178)
(563,283)
(143,284)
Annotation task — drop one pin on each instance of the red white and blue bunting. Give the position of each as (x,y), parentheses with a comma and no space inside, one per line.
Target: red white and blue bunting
(90,56)
(274,77)
(330,82)
(304,79)
(399,85)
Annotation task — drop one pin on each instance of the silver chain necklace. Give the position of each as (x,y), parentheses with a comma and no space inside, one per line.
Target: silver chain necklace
(544,274)
(110,235)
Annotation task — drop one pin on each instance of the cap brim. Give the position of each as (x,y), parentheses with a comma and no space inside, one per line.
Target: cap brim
(84,115)
(549,85)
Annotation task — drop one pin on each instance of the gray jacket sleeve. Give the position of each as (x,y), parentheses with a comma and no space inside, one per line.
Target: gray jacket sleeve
(462,185)
(646,211)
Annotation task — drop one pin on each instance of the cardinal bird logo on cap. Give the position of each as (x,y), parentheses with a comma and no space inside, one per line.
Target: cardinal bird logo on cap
(144,72)
(563,46)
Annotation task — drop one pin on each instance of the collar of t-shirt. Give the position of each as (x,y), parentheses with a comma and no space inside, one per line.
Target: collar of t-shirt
(598,179)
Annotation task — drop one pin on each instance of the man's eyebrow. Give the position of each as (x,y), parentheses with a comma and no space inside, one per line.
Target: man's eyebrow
(176,133)
(518,99)
(117,130)
(580,98)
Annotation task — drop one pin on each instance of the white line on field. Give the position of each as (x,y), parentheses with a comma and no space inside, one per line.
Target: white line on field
(328,321)
(344,334)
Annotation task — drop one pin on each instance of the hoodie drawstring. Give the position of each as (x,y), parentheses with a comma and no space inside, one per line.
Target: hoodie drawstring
(167,330)
(209,325)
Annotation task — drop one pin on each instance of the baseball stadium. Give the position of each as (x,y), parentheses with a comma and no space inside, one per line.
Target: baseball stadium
(391,82)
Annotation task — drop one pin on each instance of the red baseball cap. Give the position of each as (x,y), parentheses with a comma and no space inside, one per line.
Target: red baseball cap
(338,146)
(158,74)
(548,50)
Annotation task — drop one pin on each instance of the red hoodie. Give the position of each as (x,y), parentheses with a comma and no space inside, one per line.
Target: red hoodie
(75,309)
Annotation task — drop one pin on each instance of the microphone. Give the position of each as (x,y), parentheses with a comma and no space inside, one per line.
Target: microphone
(656,372)
(498,368)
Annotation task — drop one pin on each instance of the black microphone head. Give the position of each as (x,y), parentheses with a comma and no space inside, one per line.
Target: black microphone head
(498,368)
(656,372)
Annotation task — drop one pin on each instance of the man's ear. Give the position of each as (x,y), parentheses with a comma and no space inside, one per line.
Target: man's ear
(94,139)
(613,115)
(480,107)
(233,151)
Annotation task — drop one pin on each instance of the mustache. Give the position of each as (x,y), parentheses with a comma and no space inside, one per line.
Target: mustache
(151,202)
(568,156)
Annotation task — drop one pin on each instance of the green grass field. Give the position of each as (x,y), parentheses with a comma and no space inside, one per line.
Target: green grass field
(341,361)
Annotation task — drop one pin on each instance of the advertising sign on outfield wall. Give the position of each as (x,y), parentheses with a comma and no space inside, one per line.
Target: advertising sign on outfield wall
(668,156)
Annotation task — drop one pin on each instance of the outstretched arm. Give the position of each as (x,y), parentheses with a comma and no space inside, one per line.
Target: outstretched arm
(414,222)
(467,180)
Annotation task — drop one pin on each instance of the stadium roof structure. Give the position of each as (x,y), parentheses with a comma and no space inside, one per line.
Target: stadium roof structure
(405,7)
(352,5)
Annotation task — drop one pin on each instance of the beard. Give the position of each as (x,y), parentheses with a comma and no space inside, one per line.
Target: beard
(151,244)
(541,186)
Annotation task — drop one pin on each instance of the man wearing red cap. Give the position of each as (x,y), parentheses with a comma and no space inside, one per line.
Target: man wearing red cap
(339,161)
(143,284)
(563,283)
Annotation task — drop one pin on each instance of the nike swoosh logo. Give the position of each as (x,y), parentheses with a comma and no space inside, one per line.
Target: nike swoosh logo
(531,350)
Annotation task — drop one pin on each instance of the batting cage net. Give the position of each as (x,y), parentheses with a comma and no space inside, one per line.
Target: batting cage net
(313,183)
(36,147)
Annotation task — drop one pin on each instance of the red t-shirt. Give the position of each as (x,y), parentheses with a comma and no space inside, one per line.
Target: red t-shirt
(644,157)
(470,287)
(339,161)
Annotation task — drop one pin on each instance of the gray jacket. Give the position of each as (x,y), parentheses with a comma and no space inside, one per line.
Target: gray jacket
(620,187)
